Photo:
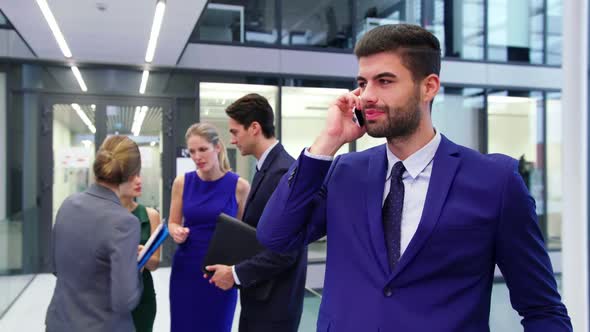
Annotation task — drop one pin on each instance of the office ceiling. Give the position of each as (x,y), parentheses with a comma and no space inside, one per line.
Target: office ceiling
(106,31)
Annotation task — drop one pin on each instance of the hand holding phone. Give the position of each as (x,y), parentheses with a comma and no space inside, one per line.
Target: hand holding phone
(357,117)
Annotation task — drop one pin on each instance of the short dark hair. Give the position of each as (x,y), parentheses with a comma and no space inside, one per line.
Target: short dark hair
(253,107)
(417,47)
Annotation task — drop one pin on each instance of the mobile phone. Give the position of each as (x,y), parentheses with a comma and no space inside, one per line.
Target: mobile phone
(358,117)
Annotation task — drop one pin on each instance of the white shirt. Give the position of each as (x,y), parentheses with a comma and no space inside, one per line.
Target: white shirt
(259,164)
(416,179)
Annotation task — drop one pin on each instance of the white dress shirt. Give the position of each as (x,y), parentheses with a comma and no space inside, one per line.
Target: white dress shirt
(416,179)
(259,164)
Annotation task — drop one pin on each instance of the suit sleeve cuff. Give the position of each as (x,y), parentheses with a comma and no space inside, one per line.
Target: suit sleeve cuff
(316,156)
(233,272)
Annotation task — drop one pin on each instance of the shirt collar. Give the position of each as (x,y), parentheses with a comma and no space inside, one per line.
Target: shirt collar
(260,161)
(417,162)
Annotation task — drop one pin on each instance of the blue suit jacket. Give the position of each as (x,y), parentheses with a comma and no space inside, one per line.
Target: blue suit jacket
(478,213)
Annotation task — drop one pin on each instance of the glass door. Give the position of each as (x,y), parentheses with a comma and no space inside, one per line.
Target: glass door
(73,127)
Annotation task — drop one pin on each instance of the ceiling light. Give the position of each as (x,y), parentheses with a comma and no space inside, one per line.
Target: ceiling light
(156,25)
(59,37)
(144,79)
(79,78)
(84,118)
(138,118)
(153,143)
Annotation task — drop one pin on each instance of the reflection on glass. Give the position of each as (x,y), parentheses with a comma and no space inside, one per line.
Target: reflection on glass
(304,112)
(215,98)
(515,30)
(241,21)
(324,25)
(143,124)
(515,128)
(554,182)
(458,25)
(458,113)
(373,13)
(73,150)
(554,31)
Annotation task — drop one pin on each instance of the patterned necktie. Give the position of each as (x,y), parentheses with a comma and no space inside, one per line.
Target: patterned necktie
(392,214)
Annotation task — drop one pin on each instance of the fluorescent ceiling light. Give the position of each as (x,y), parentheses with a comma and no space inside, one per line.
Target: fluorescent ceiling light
(144,79)
(156,25)
(84,118)
(59,37)
(79,78)
(140,113)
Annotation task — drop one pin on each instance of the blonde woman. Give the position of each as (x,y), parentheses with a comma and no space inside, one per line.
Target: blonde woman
(199,197)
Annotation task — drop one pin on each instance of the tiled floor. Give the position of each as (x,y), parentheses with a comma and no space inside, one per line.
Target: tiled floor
(28,312)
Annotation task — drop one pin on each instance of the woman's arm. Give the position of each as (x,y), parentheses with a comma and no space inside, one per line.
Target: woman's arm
(242,191)
(178,233)
(154,260)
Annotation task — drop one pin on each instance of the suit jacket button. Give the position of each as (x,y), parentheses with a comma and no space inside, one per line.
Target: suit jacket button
(387,292)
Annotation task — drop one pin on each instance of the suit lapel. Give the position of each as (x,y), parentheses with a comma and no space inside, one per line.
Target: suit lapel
(444,168)
(259,176)
(375,185)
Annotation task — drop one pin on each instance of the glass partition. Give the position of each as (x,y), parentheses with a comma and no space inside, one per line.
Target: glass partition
(309,23)
(373,13)
(515,128)
(554,45)
(242,21)
(304,112)
(554,169)
(516,30)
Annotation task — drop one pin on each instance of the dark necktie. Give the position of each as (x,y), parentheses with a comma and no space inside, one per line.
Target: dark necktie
(392,214)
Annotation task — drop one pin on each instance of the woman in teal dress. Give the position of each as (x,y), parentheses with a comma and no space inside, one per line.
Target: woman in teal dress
(145,313)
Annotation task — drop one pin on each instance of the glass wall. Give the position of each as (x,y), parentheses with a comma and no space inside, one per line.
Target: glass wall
(554,32)
(317,24)
(242,21)
(214,99)
(303,114)
(526,31)
(516,30)
(516,128)
(554,170)
(459,114)
(458,25)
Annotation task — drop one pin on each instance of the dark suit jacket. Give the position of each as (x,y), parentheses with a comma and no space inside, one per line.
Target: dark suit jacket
(285,272)
(477,214)
(95,260)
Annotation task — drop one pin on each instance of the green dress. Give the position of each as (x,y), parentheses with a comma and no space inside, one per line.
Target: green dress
(145,313)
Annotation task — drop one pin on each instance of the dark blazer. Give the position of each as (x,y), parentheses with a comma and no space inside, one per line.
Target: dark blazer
(95,261)
(285,272)
(477,214)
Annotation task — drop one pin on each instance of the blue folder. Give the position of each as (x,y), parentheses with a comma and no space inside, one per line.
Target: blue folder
(153,244)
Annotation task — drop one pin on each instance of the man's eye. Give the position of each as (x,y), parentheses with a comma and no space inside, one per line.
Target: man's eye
(362,85)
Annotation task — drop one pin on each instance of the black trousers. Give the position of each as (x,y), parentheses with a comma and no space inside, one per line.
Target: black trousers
(257,325)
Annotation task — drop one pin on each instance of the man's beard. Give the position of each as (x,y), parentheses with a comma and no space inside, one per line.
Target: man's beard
(400,123)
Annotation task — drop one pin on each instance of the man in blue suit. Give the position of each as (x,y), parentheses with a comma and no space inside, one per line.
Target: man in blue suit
(272,285)
(416,226)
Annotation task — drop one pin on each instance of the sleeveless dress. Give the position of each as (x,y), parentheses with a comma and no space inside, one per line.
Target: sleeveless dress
(195,304)
(145,312)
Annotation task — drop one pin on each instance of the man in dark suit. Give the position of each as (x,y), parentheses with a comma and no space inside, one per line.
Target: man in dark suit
(415,226)
(271,285)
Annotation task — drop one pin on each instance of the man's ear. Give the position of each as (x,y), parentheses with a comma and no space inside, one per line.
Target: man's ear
(430,87)
(254,128)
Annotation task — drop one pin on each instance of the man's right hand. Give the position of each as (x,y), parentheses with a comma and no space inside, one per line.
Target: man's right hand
(179,234)
(339,128)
